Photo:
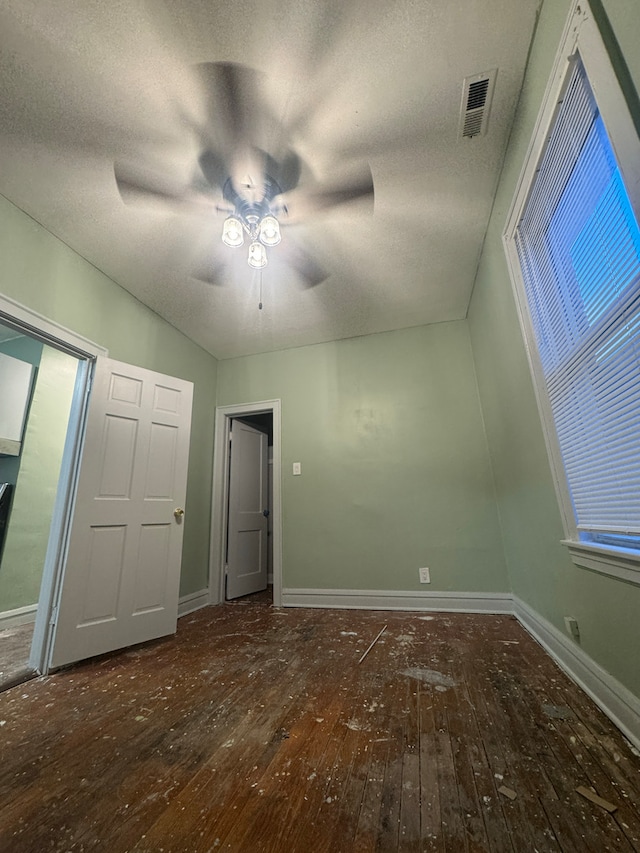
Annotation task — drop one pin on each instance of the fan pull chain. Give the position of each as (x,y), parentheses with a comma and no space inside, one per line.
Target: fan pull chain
(260,303)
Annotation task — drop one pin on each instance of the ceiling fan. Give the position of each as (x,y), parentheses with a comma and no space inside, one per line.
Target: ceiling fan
(247,171)
(255,214)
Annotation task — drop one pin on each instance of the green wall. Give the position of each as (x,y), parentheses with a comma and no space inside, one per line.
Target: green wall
(541,572)
(27,538)
(29,350)
(44,274)
(395,465)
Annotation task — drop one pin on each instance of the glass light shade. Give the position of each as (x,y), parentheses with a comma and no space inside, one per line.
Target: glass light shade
(270,231)
(257,256)
(232,234)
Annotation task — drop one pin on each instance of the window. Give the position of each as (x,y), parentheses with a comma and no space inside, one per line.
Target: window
(573,243)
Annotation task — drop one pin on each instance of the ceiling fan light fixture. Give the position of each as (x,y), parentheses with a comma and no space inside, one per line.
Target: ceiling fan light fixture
(232,232)
(269,233)
(257,256)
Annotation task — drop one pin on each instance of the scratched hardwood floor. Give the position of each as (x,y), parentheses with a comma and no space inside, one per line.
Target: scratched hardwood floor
(256,729)
(15,646)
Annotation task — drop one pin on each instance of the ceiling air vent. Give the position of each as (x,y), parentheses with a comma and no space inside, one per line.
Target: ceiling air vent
(477,92)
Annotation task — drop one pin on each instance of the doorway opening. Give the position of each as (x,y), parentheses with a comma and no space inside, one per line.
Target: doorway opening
(240,533)
(37,469)
(249,534)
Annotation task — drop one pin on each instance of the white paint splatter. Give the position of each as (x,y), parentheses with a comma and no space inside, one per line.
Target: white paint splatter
(405,639)
(355,726)
(430,676)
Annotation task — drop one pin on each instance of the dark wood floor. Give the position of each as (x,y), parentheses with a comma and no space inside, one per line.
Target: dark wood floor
(256,729)
(15,647)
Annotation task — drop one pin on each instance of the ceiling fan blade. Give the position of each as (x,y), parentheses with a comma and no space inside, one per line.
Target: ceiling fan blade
(210,272)
(140,188)
(361,188)
(235,122)
(303,203)
(309,270)
(132,190)
(290,171)
(231,92)
(285,171)
(214,167)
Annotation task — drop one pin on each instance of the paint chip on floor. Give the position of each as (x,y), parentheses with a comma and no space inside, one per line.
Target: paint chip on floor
(507,792)
(430,676)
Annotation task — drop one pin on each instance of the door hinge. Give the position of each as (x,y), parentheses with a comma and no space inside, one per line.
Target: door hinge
(54,615)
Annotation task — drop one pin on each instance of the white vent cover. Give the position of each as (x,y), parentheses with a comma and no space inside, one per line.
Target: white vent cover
(477,92)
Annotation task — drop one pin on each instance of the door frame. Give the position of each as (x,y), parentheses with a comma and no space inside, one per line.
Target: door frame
(28,322)
(224,416)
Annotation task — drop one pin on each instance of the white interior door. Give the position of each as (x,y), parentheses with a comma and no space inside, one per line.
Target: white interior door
(248,503)
(121,578)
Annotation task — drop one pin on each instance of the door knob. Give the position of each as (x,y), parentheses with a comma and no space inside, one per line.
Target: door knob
(178,512)
(265,512)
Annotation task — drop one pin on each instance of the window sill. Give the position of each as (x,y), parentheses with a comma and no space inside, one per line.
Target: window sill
(615,562)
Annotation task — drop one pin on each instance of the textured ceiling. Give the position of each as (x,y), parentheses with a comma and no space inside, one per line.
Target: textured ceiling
(86,84)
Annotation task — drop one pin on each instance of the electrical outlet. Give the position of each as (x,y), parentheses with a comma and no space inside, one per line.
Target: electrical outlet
(571,624)
(424,575)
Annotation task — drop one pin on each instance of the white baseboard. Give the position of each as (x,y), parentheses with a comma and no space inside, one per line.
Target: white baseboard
(19,616)
(617,702)
(377,599)
(193,601)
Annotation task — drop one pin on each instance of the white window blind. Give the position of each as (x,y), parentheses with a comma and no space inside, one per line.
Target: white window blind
(578,245)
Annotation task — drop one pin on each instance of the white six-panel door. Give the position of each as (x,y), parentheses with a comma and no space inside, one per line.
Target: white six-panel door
(121,578)
(248,500)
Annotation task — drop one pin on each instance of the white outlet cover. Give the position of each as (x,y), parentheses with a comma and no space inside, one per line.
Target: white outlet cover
(571,624)
(424,575)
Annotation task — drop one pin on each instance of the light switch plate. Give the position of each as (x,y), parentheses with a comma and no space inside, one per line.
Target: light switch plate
(297,468)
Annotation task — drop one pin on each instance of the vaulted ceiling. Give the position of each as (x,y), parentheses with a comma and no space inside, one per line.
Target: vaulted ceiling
(339,87)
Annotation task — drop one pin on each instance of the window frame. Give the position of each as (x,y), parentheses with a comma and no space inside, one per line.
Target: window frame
(581,36)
